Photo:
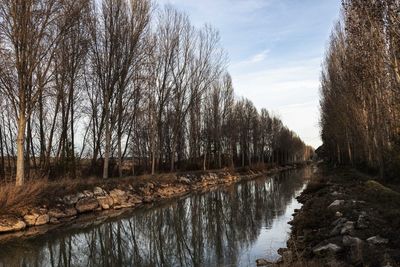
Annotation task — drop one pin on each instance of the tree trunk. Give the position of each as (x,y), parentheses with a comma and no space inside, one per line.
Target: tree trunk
(2,170)
(108,146)
(20,176)
(205,160)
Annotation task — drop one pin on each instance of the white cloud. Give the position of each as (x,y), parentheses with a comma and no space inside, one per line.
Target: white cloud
(290,90)
(259,57)
(276,47)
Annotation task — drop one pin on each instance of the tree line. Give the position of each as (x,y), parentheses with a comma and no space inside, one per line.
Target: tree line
(360,87)
(122,87)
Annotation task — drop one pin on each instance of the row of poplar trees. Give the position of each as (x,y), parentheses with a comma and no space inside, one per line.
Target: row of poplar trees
(121,87)
(361,87)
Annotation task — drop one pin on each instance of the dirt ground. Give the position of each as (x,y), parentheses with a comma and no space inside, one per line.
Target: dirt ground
(347,219)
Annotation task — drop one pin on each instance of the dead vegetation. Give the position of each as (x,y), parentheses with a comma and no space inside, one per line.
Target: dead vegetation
(13,198)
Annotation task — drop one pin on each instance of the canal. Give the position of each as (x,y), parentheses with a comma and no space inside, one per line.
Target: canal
(228,226)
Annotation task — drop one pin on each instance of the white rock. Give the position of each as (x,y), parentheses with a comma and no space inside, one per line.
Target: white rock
(329,248)
(347,227)
(377,240)
(184,180)
(336,203)
(88,193)
(362,222)
(71,199)
(98,191)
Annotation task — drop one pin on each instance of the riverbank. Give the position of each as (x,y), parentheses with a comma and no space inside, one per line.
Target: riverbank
(347,219)
(54,205)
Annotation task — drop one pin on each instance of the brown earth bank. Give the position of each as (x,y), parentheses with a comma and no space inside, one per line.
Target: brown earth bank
(347,219)
(43,206)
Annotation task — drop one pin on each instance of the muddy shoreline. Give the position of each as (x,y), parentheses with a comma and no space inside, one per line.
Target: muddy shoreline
(103,202)
(347,219)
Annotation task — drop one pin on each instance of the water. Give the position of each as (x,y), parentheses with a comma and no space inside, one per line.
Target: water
(230,226)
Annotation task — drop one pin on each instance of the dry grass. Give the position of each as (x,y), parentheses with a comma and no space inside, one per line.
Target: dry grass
(14,198)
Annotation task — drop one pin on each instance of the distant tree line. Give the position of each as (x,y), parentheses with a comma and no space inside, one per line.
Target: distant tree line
(118,87)
(360,87)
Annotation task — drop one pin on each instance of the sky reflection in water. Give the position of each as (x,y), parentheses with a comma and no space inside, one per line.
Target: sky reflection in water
(230,226)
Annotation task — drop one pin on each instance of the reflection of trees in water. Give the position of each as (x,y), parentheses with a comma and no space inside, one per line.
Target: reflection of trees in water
(201,230)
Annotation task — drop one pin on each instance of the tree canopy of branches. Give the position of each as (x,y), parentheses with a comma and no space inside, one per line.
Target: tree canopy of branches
(360,87)
(121,87)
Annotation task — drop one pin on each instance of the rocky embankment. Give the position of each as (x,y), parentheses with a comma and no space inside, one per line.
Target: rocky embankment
(347,219)
(106,200)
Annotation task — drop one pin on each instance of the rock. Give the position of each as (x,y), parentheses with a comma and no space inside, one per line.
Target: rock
(88,193)
(42,219)
(123,206)
(338,226)
(348,227)
(11,224)
(355,202)
(377,240)
(118,196)
(184,180)
(134,199)
(327,249)
(56,213)
(36,217)
(80,195)
(86,204)
(30,219)
(105,202)
(362,222)
(71,199)
(124,200)
(54,220)
(145,190)
(70,212)
(336,203)
(263,262)
(98,191)
(338,214)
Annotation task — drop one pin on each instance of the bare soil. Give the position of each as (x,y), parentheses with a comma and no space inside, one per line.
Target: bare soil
(378,204)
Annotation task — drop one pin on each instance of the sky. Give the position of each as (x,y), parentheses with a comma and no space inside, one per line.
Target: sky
(275,48)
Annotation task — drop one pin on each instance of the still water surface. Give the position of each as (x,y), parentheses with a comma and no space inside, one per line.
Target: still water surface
(230,226)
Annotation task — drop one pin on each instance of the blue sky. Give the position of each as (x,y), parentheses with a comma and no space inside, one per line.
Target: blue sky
(275,48)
